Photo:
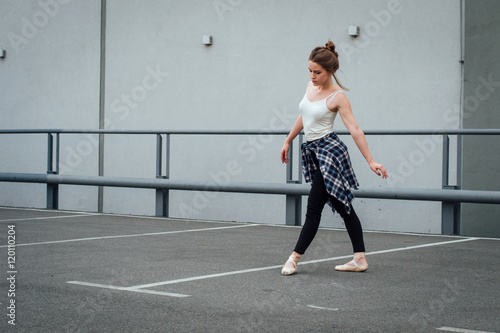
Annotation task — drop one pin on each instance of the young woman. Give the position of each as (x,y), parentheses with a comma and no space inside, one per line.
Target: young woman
(326,162)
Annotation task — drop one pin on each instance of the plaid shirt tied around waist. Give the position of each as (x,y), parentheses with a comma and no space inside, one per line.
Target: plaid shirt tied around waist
(335,166)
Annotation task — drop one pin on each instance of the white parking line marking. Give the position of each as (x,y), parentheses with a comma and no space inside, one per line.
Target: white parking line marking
(424,245)
(132,289)
(204,277)
(460,330)
(133,235)
(45,218)
(322,308)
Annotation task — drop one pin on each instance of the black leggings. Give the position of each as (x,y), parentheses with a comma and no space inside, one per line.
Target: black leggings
(315,204)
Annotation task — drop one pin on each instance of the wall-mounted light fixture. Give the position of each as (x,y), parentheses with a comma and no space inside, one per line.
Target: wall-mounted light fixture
(3,53)
(353,30)
(206,39)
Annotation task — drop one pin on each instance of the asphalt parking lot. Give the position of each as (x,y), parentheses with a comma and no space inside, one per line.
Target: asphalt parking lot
(84,272)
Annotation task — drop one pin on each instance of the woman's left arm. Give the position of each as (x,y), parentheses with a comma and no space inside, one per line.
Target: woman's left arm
(344,108)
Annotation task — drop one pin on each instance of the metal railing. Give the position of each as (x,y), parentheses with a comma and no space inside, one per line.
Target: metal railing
(450,195)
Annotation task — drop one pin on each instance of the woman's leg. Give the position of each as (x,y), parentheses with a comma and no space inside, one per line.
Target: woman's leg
(315,204)
(352,224)
(355,231)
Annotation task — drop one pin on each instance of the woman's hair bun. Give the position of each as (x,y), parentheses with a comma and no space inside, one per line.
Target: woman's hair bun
(330,46)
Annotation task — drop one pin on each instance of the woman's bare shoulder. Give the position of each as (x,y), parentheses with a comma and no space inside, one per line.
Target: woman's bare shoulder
(340,101)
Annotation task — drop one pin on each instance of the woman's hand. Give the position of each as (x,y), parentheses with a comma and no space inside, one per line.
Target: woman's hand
(379,169)
(284,153)
(297,127)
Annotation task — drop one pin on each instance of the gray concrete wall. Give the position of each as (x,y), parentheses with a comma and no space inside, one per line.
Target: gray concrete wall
(403,72)
(49,79)
(481,162)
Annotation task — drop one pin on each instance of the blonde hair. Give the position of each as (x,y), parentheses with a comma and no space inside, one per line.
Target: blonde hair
(328,58)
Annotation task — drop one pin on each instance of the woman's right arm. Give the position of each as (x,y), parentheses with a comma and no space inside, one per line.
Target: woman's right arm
(299,126)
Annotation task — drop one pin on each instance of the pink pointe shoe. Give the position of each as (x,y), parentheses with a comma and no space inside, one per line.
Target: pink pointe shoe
(290,266)
(352,266)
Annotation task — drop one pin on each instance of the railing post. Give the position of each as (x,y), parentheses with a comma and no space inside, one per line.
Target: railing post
(450,210)
(450,215)
(162,196)
(293,202)
(52,189)
(458,205)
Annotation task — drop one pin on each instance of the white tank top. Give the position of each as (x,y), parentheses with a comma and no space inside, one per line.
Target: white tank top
(316,118)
